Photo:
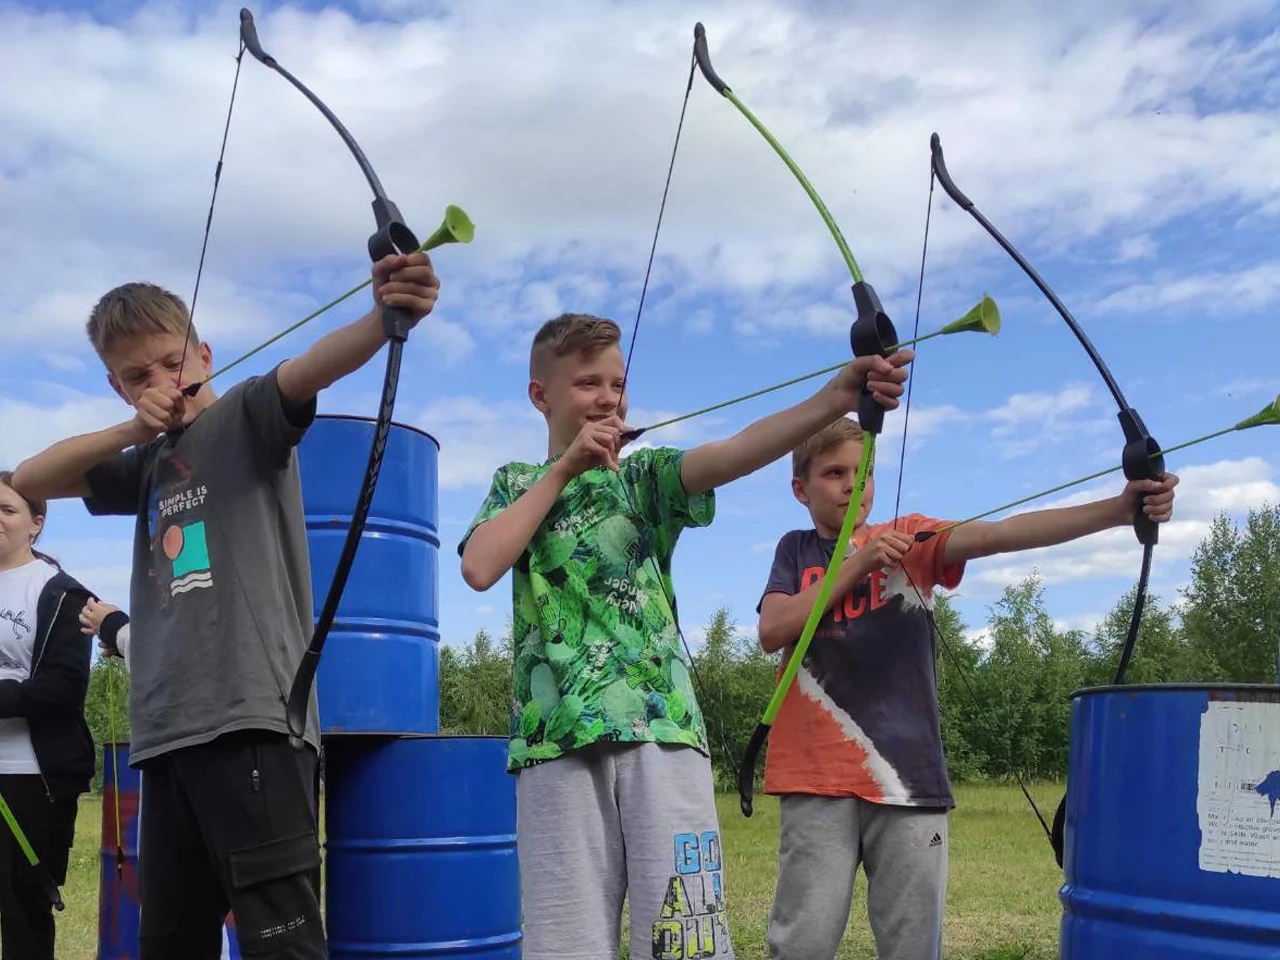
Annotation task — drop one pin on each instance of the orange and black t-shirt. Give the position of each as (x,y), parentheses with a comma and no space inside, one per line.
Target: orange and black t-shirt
(861,719)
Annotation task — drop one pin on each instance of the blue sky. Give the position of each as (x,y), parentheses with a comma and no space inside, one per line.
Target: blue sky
(1129,149)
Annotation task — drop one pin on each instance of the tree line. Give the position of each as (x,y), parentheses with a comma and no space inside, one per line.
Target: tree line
(1005,702)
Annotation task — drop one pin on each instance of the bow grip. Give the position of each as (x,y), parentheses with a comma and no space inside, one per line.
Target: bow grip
(393,236)
(1141,460)
(872,334)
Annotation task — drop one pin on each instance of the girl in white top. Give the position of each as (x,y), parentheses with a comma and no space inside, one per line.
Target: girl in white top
(46,750)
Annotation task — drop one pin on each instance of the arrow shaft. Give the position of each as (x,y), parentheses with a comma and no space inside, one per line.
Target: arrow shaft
(777,386)
(288,330)
(1080,480)
(745,397)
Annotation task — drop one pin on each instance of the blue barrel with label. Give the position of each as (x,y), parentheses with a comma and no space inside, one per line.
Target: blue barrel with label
(1172,834)
(421,849)
(119,894)
(379,672)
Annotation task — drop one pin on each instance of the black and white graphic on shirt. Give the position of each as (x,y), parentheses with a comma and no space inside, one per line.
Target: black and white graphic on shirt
(17,620)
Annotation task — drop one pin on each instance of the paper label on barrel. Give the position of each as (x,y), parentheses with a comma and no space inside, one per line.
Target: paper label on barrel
(1238,790)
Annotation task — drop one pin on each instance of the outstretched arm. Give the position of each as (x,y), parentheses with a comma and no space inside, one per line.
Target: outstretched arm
(398,281)
(1045,528)
(719,462)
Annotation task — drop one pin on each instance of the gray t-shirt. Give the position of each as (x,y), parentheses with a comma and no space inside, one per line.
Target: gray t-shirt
(220,601)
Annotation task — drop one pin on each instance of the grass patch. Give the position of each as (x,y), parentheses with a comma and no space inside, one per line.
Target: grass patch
(1002,895)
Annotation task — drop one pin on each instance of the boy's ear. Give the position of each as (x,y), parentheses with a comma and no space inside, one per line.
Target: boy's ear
(115,385)
(538,395)
(206,357)
(797,488)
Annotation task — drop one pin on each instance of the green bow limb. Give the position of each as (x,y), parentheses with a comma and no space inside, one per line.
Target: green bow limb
(871,334)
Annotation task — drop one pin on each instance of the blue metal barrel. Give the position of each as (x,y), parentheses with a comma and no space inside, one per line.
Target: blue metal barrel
(421,849)
(1172,839)
(379,673)
(118,893)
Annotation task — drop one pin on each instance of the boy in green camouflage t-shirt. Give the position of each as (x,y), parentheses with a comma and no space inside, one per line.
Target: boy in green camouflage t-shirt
(600,682)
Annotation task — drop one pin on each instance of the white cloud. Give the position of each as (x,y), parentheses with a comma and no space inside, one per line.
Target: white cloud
(476,437)
(982,638)
(1028,422)
(1097,126)
(1137,248)
(1250,386)
(1087,622)
(26,428)
(1227,294)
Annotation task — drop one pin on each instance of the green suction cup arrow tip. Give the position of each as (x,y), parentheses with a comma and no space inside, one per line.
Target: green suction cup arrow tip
(459,224)
(1268,414)
(983,318)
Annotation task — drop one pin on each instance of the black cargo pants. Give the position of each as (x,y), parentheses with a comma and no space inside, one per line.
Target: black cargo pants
(231,825)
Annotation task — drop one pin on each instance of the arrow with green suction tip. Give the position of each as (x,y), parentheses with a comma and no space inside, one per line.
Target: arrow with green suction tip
(46,880)
(1267,416)
(983,318)
(456,228)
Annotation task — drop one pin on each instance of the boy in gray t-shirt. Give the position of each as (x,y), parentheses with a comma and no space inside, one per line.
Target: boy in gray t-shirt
(221,610)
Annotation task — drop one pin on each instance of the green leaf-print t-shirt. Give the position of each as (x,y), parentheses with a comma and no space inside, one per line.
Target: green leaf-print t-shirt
(597,653)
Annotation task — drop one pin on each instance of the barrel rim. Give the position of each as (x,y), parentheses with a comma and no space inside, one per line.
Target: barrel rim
(1183,687)
(394,423)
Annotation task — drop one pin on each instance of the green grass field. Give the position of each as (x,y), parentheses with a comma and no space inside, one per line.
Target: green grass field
(1002,901)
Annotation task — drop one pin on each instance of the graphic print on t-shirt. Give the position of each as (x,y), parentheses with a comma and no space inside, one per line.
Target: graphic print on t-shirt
(597,651)
(181,564)
(862,718)
(17,620)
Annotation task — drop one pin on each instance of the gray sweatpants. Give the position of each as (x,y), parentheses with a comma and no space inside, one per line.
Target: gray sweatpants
(904,853)
(618,819)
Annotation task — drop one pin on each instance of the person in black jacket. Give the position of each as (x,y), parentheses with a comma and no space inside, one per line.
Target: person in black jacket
(46,750)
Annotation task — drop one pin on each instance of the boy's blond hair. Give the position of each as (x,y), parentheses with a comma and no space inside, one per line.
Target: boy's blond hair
(136,309)
(832,435)
(570,333)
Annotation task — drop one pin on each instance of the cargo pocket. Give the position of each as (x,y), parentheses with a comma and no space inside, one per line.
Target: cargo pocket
(275,896)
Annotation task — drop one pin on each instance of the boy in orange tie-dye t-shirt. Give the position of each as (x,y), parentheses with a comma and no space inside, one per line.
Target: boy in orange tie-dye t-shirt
(856,749)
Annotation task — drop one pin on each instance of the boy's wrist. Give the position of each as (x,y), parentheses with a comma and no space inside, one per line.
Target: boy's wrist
(1122,511)
(833,401)
(559,474)
(132,433)
(857,567)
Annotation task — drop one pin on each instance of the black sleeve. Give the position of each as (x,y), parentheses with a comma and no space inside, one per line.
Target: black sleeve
(276,424)
(62,681)
(112,624)
(116,484)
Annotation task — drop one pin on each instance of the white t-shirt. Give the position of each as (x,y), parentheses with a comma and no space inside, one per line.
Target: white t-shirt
(19,596)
